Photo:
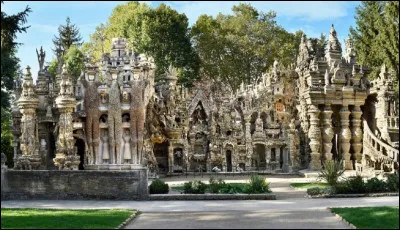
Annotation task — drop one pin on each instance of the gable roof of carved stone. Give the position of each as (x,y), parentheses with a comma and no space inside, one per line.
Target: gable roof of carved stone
(200,96)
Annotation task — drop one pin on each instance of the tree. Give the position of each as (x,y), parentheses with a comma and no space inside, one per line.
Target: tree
(161,33)
(68,35)
(376,36)
(240,47)
(74,59)
(11,25)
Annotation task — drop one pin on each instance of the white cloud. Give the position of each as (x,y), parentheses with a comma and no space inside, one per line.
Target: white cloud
(289,9)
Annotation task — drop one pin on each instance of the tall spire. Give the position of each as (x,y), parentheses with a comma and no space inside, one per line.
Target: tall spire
(333,43)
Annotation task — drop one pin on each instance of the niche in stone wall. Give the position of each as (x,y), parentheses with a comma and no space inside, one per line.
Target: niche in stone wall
(253,119)
(178,159)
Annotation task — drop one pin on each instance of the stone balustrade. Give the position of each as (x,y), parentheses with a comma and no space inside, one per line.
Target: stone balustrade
(377,147)
(393,122)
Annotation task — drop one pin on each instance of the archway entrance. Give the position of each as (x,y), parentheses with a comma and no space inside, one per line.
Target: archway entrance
(80,146)
(228,160)
(161,154)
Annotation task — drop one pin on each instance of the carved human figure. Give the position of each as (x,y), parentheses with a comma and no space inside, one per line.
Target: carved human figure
(92,102)
(114,118)
(127,146)
(137,115)
(41,57)
(104,142)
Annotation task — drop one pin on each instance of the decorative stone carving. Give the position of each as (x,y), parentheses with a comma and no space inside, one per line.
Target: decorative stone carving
(314,134)
(357,133)
(327,132)
(345,137)
(66,156)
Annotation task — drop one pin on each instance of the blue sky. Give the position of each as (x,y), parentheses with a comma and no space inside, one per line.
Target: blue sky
(312,17)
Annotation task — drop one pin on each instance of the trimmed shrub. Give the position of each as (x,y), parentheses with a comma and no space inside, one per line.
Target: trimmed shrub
(341,188)
(194,187)
(355,185)
(158,187)
(376,185)
(331,173)
(330,190)
(215,186)
(257,185)
(230,189)
(314,191)
(392,182)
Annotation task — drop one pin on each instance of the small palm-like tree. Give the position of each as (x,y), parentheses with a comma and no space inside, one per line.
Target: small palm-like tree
(332,172)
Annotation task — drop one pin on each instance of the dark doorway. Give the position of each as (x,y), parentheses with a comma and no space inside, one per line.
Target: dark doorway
(262,164)
(161,154)
(80,146)
(229,161)
(51,145)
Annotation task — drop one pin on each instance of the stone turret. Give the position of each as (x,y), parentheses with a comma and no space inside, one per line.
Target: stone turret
(334,49)
(65,151)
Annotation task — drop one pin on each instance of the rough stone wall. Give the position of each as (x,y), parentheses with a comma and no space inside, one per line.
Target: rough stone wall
(59,185)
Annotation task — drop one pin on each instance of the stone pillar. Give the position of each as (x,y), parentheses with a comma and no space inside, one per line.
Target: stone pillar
(345,137)
(314,134)
(293,144)
(285,165)
(170,159)
(268,157)
(357,134)
(278,157)
(327,132)
(28,103)
(66,156)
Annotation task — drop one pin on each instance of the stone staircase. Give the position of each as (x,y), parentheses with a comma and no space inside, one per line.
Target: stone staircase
(377,154)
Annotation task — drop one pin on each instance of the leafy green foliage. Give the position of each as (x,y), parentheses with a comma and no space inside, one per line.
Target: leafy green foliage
(11,25)
(215,185)
(64,219)
(6,137)
(257,185)
(314,191)
(53,68)
(240,47)
(376,185)
(158,187)
(376,37)
(355,185)
(160,32)
(393,182)
(332,171)
(194,187)
(74,59)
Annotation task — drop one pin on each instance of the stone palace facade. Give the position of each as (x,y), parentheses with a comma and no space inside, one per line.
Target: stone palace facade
(116,117)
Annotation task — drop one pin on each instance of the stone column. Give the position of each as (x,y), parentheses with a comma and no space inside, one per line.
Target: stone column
(293,143)
(170,159)
(345,137)
(66,156)
(357,134)
(268,157)
(314,134)
(28,103)
(285,165)
(327,132)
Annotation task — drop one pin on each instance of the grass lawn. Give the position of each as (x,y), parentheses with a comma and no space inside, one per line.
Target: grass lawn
(308,185)
(371,217)
(66,219)
(237,186)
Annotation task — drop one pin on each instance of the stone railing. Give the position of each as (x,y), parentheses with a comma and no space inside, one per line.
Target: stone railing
(393,122)
(376,148)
